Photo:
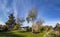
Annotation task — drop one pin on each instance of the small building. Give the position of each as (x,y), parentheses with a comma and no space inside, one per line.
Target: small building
(26,28)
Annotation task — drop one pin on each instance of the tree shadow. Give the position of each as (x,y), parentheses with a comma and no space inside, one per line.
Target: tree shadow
(6,34)
(22,31)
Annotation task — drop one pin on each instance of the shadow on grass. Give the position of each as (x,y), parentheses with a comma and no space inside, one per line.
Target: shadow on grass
(22,31)
(35,32)
(9,34)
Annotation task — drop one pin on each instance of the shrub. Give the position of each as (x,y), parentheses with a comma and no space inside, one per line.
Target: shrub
(53,34)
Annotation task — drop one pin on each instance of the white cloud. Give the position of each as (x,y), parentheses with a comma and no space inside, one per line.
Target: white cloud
(51,22)
(27,24)
(2,23)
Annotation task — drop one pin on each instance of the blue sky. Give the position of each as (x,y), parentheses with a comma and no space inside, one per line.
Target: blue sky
(49,10)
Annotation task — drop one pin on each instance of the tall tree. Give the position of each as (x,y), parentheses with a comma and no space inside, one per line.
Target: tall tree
(40,21)
(58,26)
(20,21)
(11,22)
(32,15)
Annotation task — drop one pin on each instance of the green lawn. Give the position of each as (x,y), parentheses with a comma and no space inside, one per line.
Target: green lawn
(21,34)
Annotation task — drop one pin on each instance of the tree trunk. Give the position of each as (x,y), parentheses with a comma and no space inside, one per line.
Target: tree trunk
(32,26)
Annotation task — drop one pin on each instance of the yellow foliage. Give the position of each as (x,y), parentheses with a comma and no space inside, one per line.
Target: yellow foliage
(16,27)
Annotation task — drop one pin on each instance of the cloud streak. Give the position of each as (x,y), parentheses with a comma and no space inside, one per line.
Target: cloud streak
(47,9)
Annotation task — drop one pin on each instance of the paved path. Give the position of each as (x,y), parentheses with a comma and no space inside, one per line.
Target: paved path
(47,34)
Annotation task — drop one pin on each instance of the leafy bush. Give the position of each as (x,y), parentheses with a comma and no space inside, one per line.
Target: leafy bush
(16,27)
(53,34)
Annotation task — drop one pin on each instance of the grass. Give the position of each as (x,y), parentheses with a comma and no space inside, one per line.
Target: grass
(21,34)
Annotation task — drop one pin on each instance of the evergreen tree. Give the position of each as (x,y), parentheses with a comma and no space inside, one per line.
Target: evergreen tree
(11,22)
